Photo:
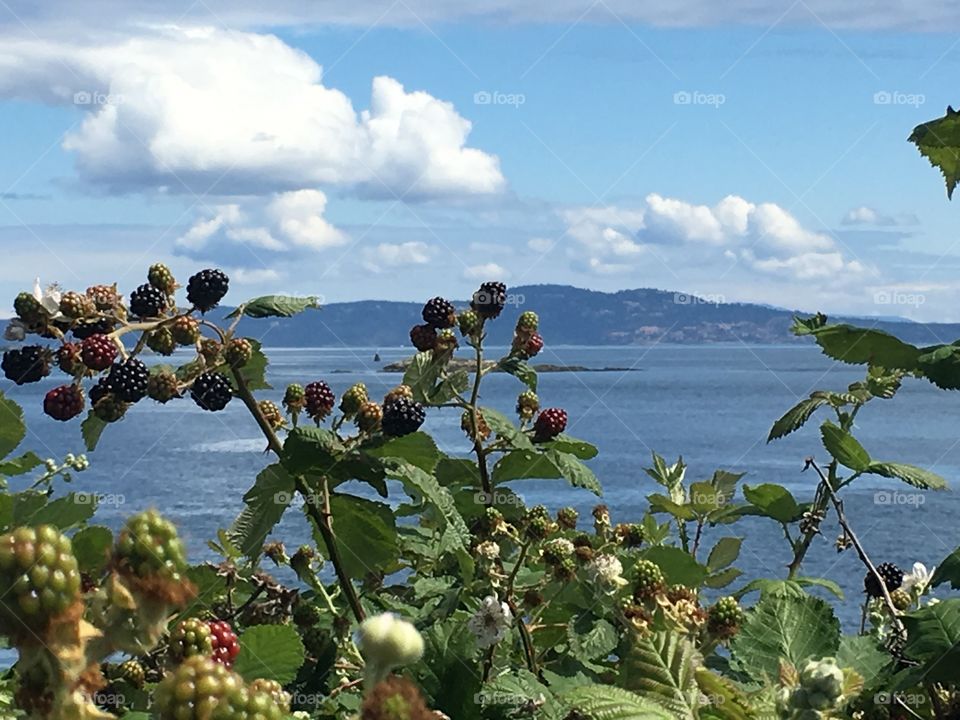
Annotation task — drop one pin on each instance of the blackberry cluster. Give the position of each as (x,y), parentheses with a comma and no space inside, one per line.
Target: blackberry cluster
(469,322)
(147,302)
(149,545)
(185,330)
(39,572)
(160,277)
(649,580)
(28,364)
(128,380)
(200,689)
(68,358)
(211,391)
(369,417)
(206,289)
(318,400)
(402,417)
(63,402)
(226,647)
(353,399)
(724,617)
(163,387)
(75,306)
(550,423)
(439,313)
(238,352)
(82,329)
(190,637)
(271,413)
(489,300)
(98,352)
(527,404)
(161,341)
(423,337)
(892,578)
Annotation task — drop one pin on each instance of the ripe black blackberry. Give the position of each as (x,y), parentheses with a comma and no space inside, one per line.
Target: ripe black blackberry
(489,300)
(82,329)
(439,313)
(211,391)
(28,364)
(98,352)
(128,380)
(318,400)
(550,423)
(206,289)
(402,417)
(423,337)
(63,402)
(892,578)
(147,302)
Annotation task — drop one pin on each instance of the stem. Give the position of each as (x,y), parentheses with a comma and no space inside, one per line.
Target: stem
(696,538)
(528,649)
(322,518)
(481,454)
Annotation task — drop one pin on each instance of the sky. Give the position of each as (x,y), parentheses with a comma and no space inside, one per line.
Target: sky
(746,151)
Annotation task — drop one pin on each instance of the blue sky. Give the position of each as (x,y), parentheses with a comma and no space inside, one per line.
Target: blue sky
(398,151)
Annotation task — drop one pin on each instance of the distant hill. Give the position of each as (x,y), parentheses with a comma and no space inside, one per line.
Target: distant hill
(573,316)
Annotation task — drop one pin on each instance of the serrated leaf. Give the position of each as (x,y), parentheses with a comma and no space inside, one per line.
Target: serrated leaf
(276,306)
(660,667)
(264,505)
(506,430)
(520,369)
(724,553)
(524,464)
(12,427)
(575,472)
(574,446)
(795,417)
(723,699)
(948,571)
(91,429)
(366,534)
(417,448)
(774,501)
(939,142)
(910,474)
(271,652)
(608,702)
(20,465)
(661,503)
(91,546)
(722,578)
(67,511)
(863,346)
(865,655)
(422,375)
(933,639)
(679,567)
(844,447)
(591,639)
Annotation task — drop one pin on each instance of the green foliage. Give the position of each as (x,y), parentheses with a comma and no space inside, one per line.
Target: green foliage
(939,142)
(275,306)
(270,652)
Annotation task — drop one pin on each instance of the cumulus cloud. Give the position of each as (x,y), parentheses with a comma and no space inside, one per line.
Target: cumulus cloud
(196,110)
(388,256)
(485,272)
(865,215)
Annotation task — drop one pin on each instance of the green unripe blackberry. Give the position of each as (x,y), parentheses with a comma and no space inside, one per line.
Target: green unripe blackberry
(725,616)
(185,330)
(191,637)
(160,277)
(305,614)
(677,593)
(567,518)
(161,341)
(273,689)
(316,641)
(528,322)
(271,413)
(149,546)
(649,580)
(446,343)
(537,527)
(200,689)
(901,599)
(132,672)
(109,408)
(294,398)
(353,399)
(163,386)
(527,404)
(29,309)
(469,322)
(40,577)
(74,305)
(369,417)
(238,352)
(566,569)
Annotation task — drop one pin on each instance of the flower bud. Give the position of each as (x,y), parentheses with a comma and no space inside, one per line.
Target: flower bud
(387,641)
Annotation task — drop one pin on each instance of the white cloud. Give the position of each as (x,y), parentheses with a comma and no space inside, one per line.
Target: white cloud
(541,244)
(299,215)
(864,215)
(201,109)
(387,256)
(252,276)
(485,272)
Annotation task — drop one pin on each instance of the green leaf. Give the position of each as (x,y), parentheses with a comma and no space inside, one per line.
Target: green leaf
(939,142)
(271,652)
(276,306)
(724,553)
(608,702)
(574,446)
(23,464)
(591,640)
(422,375)
(941,366)
(366,533)
(67,511)
(774,501)
(575,472)
(844,447)
(795,417)
(450,682)
(524,464)
(661,503)
(933,639)
(865,655)
(452,385)
(862,346)
(784,625)
(265,504)
(948,571)
(725,483)
(520,369)
(506,430)
(660,668)
(12,427)
(91,546)
(704,497)
(311,448)
(91,429)
(679,567)
(910,474)
(254,371)
(417,448)
(722,578)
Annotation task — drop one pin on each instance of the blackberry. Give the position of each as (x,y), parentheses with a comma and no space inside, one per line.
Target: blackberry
(446,343)
(211,391)
(649,580)
(28,364)
(147,302)
(83,329)
(527,404)
(316,641)
(400,391)
(550,423)
(128,380)
(273,689)
(306,615)
(528,322)
(226,647)
(40,576)
(160,277)
(238,352)
(132,672)
(163,386)
(678,593)
(629,534)
(532,346)
(892,578)
(567,518)
(352,399)
(584,554)
(211,351)
(489,300)
(537,527)
(439,313)
(469,322)
(565,570)
(68,358)
(74,305)
(200,689)
(104,297)
(482,429)
(369,417)
(294,398)
(63,402)
(318,400)
(395,698)
(206,289)
(148,545)
(402,417)
(185,330)
(29,309)
(191,637)
(423,337)
(98,352)
(100,390)
(161,341)
(271,413)
(109,408)
(724,617)
(533,598)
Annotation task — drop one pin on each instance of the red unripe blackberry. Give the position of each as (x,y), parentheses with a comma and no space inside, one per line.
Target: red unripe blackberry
(74,305)
(148,545)
(423,337)
(128,380)
(82,329)
(161,341)
(147,302)
(161,278)
(318,400)
(369,417)
(98,352)
(892,578)
(399,391)
(238,352)
(63,402)
(211,391)
(271,413)
(105,297)
(28,364)
(402,417)
(439,313)
(533,345)
(489,300)
(68,358)
(226,647)
(550,423)
(185,330)
(191,637)
(206,289)
(352,399)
